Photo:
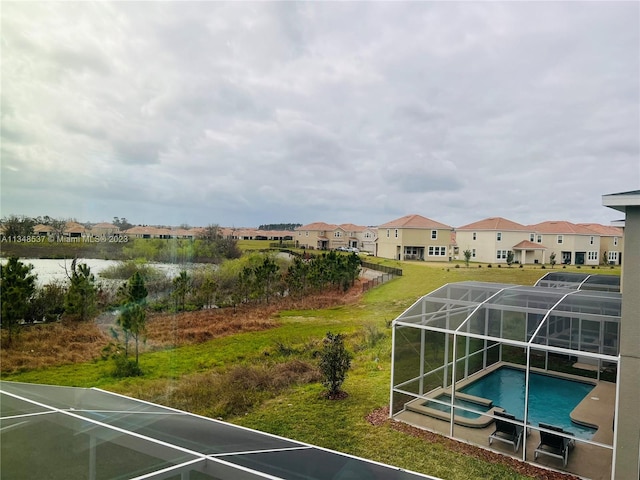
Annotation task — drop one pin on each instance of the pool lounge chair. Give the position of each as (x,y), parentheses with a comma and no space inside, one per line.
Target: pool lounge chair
(506,431)
(554,445)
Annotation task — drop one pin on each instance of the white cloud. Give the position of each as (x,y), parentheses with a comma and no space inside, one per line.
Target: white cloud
(248,113)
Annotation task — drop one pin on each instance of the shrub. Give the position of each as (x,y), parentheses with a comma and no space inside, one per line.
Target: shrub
(335,361)
(124,367)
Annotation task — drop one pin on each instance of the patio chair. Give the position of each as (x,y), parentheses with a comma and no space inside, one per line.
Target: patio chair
(554,445)
(506,431)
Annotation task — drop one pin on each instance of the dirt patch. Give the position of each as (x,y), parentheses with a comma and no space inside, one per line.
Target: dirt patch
(380,418)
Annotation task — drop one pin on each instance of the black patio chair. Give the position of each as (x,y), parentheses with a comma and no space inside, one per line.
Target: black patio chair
(506,431)
(554,445)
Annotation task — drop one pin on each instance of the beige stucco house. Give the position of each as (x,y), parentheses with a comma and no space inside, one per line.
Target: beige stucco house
(573,244)
(369,240)
(490,240)
(611,242)
(414,237)
(317,235)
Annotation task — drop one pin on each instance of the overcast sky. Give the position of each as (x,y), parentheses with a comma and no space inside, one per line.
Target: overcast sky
(242,114)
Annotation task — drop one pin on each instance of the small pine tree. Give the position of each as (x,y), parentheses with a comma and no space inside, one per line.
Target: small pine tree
(132,319)
(552,259)
(81,299)
(17,287)
(335,361)
(509,258)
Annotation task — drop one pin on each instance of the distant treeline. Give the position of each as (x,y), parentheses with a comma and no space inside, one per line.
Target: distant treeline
(280,226)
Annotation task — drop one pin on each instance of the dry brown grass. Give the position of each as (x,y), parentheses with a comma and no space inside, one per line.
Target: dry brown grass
(62,343)
(176,329)
(45,345)
(232,392)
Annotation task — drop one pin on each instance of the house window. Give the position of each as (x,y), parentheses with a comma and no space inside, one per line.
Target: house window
(473,253)
(501,254)
(590,240)
(306,234)
(475,235)
(592,255)
(560,239)
(539,238)
(499,236)
(387,233)
(337,234)
(299,234)
(367,235)
(532,237)
(434,234)
(396,232)
(615,241)
(437,251)
(613,257)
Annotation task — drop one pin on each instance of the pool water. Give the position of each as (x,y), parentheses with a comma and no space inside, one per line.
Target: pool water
(551,399)
(458,403)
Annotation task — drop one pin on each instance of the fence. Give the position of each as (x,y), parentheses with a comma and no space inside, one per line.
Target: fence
(388,274)
(397,272)
(374,282)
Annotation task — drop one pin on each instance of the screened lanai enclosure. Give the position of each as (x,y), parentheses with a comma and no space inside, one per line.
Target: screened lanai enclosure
(86,433)
(544,356)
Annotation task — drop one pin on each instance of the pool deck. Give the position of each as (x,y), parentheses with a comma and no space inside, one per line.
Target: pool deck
(585,460)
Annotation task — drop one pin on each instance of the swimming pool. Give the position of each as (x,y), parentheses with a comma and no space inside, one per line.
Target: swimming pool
(458,403)
(551,399)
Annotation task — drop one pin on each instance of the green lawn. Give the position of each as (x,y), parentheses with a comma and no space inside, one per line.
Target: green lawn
(300,412)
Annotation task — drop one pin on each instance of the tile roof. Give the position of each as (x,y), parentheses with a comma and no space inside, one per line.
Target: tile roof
(603,230)
(43,228)
(414,221)
(527,245)
(494,223)
(320,226)
(562,227)
(350,227)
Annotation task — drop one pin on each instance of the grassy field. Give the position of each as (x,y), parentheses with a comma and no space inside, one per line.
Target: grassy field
(193,376)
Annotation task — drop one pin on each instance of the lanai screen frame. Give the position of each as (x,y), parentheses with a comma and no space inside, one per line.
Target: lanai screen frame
(452,311)
(61,432)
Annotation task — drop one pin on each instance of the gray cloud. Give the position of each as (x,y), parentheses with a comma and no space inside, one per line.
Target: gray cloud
(246,113)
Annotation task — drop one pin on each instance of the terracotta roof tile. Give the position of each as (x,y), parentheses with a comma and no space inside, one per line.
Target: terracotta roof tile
(604,230)
(494,223)
(414,221)
(527,245)
(560,227)
(320,226)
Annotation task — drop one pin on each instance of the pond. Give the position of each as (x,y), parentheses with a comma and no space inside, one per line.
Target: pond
(55,270)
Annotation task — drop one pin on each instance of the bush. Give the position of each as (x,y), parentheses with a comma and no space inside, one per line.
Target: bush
(335,361)
(124,367)
(457,265)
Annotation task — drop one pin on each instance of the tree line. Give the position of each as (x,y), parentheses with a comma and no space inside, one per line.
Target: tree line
(256,278)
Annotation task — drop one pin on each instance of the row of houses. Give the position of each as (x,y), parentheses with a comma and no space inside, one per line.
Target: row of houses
(72,230)
(414,237)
